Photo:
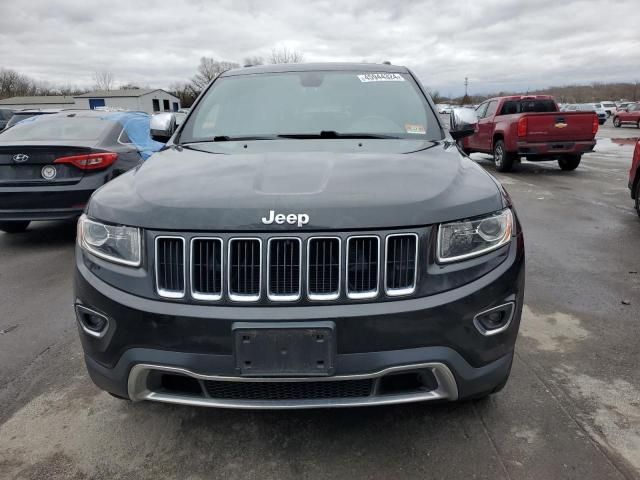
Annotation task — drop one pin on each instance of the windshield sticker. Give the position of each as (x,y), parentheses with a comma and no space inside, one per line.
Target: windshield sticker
(415,128)
(381,77)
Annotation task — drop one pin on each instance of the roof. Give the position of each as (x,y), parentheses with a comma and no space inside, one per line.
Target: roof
(35,100)
(307,67)
(133,92)
(79,112)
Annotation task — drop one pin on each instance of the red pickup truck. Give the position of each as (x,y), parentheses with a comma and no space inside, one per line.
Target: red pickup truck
(531,127)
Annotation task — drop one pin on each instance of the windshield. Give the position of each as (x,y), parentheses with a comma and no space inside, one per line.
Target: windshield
(310,104)
(54,127)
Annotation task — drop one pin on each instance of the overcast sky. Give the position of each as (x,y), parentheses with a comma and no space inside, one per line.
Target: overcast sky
(498,44)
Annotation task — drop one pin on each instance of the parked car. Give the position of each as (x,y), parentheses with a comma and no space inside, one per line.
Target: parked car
(531,127)
(5,116)
(609,107)
(634,177)
(628,115)
(444,108)
(308,238)
(595,107)
(20,115)
(51,164)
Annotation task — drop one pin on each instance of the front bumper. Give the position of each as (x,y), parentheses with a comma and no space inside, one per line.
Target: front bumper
(434,334)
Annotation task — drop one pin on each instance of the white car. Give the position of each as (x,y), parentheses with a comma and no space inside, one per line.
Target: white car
(609,107)
(444,108)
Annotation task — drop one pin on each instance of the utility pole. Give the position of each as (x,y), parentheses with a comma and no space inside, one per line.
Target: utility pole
(466,85)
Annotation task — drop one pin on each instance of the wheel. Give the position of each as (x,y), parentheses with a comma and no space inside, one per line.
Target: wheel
(616,122)
(638,198)
(14,226)
(569,162)
(503,160)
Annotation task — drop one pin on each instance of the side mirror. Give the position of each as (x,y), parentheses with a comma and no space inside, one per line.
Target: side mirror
(162,126)
(463,122)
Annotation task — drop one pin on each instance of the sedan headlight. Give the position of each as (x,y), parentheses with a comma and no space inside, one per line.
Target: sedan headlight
(473,237)
(116,243)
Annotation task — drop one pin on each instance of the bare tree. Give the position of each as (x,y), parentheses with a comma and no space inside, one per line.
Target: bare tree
(184,92)
(253,60)
(104,80)
(284,55)
(207,71)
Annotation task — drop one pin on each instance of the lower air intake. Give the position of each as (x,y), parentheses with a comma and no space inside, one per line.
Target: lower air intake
(289,390)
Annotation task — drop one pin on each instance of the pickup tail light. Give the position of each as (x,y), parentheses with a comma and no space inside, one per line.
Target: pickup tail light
(523,124)
(91,161)
(595,125)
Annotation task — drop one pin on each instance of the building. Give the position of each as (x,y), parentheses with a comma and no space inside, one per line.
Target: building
(43,101)
(143,100)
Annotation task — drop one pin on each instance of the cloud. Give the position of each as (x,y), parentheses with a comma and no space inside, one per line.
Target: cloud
(498,44)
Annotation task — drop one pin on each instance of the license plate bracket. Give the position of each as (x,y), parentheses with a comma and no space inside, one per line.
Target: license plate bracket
(284,349)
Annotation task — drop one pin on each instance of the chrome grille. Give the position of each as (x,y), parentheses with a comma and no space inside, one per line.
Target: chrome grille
(206,268)
(363,266)
(401,254)
(232,268)
(285,258)
(170,266)
(323,268)
(245,269)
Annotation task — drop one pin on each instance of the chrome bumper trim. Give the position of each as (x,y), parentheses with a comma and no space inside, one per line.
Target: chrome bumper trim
(138,389)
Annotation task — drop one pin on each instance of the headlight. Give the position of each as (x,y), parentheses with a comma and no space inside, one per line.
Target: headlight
(115,243)
(473,237)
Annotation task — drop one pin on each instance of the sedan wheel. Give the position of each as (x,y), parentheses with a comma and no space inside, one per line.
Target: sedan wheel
(616,122)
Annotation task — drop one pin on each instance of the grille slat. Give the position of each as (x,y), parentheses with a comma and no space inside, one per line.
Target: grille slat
(284,267)
(206,268)
(362,266)
(323,268)
(288,390)
(245,269)
(170,267)
(401,263)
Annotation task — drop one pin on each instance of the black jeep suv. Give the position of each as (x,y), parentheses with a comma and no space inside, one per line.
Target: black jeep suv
(310,236)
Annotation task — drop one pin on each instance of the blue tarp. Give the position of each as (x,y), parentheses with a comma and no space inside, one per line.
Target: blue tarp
(136,124)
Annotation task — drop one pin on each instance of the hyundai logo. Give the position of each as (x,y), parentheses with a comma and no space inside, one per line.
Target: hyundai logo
(20,157)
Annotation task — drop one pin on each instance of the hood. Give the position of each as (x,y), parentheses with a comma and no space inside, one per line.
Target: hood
(339,184)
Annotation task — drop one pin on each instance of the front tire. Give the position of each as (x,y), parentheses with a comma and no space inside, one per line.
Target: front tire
(14,226)
(569,162)
(502,159)
(616,122)
(638,198)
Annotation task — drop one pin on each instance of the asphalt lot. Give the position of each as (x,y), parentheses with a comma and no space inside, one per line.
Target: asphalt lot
(570,410)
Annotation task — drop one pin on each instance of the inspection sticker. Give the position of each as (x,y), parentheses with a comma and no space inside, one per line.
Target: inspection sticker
(415,128)
(381,77)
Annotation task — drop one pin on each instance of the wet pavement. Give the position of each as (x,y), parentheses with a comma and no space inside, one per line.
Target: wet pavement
(570,410)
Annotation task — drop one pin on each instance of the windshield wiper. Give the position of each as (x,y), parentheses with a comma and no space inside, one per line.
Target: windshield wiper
(228,138)
(334,134)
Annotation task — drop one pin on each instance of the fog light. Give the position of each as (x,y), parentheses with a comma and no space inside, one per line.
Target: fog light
(92,323)
(494,320)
